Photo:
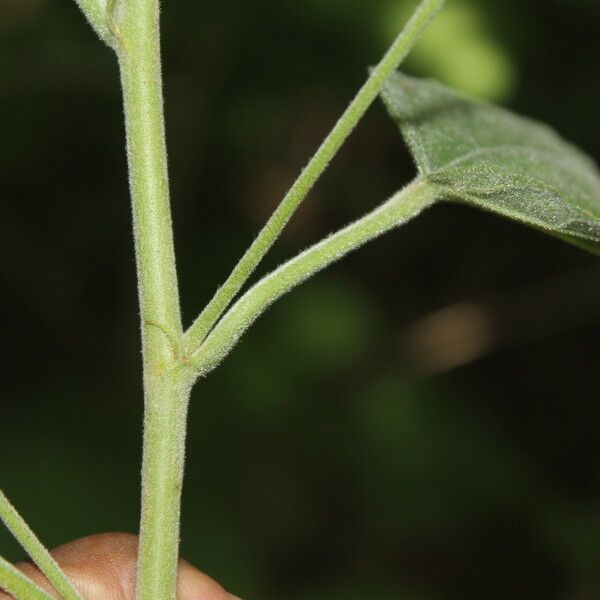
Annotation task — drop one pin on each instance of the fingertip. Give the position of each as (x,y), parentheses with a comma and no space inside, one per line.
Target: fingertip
(192,584)
(104,567)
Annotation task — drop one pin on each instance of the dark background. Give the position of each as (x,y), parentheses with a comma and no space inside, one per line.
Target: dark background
(419,422)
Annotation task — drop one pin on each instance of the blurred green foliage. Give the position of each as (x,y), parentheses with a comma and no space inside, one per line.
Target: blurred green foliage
(323,461)
(461,49)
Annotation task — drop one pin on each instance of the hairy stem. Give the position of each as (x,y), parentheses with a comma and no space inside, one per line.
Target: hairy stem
(36,550)
(131,27)
(19,586)
(162,479)
(402,207)
(166,392)
(98,14)
(309,176)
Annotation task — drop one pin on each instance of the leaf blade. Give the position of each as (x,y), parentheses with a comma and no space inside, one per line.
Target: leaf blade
(488,157)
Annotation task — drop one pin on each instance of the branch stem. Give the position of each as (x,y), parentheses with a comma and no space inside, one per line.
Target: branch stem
(403,206)
(19,586)
(36,550)
(310,175)
(98,14)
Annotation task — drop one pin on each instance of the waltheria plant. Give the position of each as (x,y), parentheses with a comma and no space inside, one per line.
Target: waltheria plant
(465,151)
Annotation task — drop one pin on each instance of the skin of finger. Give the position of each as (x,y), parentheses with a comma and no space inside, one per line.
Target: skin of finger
(103,567)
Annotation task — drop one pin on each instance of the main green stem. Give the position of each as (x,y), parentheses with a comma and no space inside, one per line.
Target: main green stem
(166,390)
(132,28)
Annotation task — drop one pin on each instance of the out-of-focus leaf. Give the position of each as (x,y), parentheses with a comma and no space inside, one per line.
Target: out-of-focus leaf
(461,48)
(488,157)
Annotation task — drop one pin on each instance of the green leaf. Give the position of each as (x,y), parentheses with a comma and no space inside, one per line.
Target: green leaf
(491,158)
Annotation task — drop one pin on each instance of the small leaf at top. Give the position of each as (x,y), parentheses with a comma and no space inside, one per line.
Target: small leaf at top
(491,158)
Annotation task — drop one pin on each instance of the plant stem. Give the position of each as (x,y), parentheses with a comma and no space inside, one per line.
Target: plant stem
(162,478)
(166,391)
(403,206)
(19,586)
(97,14)
(309,176)
(134,25)
(36,550)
